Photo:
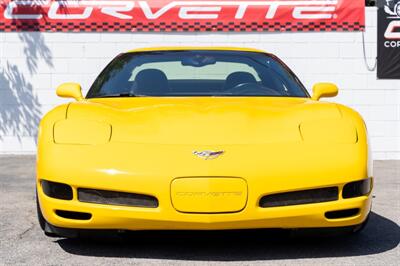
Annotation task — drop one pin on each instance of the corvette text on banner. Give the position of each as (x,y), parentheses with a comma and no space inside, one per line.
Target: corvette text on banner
(188,15)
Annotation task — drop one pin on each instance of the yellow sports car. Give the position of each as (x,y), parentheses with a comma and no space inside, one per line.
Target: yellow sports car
(201,139)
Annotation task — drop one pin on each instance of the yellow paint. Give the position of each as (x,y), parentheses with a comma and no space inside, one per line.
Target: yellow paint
(200,48)
(324,90)
(200,194)
(89,132)
(70,90)
(328,130)
(271,144)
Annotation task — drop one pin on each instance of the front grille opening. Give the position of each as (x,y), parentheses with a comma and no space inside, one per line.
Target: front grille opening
(357,188)
(300,197)
(74,215)
(56,190)
(116,198)
(342,213)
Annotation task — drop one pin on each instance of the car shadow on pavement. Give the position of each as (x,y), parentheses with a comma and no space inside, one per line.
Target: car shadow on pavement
(380,235)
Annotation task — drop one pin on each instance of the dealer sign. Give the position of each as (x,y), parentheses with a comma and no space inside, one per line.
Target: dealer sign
(188,15)
(389,39)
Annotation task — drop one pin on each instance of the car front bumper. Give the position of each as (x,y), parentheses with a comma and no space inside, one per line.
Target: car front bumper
(166,217)
(152,171)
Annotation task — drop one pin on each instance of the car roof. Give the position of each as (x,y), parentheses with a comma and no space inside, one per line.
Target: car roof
(189,48)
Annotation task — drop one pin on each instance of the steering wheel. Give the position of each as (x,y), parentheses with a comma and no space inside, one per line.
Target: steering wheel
(253,88)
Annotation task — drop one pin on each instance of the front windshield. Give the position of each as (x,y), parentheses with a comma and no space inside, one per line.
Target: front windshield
(196,73)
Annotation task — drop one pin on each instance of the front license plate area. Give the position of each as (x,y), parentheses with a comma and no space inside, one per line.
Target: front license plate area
(209,194)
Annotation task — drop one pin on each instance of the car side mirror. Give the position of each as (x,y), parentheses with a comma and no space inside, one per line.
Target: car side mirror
(70,90)
(321,90)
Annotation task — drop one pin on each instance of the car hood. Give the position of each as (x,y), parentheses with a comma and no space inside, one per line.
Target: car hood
(211,120)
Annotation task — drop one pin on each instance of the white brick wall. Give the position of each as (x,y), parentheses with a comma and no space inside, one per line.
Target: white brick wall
(33,64)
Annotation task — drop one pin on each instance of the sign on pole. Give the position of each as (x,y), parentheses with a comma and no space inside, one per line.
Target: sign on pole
(389,39)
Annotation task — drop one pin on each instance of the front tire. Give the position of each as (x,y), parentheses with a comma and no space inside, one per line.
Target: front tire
(325,232)
(41,220)
(358,228)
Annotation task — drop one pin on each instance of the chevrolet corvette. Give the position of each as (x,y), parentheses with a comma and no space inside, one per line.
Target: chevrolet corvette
(201,139)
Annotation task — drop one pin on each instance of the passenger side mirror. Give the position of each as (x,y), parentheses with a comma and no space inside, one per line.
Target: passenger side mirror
(321,90)
(70,90)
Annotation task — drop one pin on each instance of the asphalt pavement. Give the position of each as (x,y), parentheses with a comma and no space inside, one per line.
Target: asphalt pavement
(23,243)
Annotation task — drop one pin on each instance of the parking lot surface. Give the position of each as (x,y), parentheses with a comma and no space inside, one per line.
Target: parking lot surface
(23,243)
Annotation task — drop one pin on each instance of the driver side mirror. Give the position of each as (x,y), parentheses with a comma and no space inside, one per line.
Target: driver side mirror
(321,90)
(70,90)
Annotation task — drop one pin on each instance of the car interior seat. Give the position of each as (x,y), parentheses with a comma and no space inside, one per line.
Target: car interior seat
(151,82)
(237,78)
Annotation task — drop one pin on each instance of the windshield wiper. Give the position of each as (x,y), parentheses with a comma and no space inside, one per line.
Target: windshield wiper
(116,95)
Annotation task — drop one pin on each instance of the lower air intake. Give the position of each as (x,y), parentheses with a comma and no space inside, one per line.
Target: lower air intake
(342,213)
(300,197)
(74,215)
(116,198)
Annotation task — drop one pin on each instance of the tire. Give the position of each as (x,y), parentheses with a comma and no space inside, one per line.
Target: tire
(41,220)
(358,228)
(326,232)
(353,230)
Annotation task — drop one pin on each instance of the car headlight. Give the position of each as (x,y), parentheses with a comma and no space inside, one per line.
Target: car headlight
(329,131)
(82,132)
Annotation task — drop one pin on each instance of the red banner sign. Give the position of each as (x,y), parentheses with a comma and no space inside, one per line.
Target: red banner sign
(188,15)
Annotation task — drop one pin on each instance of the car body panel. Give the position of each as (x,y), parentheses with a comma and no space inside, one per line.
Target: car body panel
(257,120)
(270,145)
(197,48)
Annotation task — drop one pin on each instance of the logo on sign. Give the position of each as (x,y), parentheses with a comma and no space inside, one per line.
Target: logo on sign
(182,15)
(392,8)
